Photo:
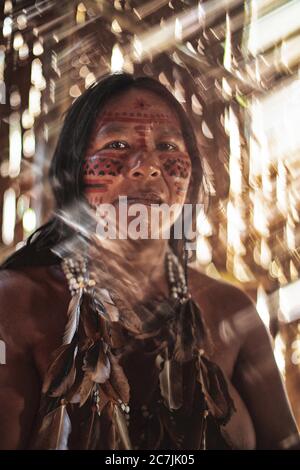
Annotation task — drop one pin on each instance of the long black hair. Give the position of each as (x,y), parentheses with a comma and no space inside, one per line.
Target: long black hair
(66,166)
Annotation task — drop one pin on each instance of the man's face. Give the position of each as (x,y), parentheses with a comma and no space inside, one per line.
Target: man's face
(136,150)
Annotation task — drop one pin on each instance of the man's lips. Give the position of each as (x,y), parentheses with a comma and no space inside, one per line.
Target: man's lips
(146,202)
(143,199)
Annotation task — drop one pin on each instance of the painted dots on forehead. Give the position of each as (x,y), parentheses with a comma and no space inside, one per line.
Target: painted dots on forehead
(139,106)
(135,117)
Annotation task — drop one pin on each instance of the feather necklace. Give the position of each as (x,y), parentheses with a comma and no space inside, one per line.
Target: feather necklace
(86,370)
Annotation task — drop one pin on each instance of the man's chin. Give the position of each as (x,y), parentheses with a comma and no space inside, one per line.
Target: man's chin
(135,231)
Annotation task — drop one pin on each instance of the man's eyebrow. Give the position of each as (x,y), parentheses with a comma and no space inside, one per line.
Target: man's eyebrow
(172,131)
(106,129)
(110,128)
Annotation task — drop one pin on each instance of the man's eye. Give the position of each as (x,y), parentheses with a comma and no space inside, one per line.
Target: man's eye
(117,145)
(167,146)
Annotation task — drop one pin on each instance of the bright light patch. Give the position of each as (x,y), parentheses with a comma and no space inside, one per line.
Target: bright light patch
(29,220)
(9,216)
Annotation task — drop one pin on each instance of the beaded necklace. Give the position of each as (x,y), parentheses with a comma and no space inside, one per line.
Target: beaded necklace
(78,276)
(79,279)
(190,386)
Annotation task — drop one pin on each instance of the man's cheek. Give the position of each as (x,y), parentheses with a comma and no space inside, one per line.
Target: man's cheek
(100,175)
(177,171)
(106,165)
(177,167)
(97,193)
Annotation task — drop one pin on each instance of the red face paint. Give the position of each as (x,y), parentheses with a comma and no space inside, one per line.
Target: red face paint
(102,166)
(141,133)
(98,173)
(140,103)
(136,134)
(134,117)
(177,167)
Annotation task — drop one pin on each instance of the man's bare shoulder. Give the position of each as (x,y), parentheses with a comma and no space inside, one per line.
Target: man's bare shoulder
(225,307)
(220,292)
(27,296)
(230,316)
(17,285)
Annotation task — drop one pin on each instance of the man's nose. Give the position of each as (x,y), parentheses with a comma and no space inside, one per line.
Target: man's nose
(145,166)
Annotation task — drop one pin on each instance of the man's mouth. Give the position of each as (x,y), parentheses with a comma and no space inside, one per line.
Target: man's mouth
(147,199)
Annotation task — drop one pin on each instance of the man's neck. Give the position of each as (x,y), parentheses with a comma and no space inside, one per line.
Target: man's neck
(145,256)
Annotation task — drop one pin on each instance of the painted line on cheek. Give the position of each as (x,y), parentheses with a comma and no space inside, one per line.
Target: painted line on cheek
(95,190)
(91,181)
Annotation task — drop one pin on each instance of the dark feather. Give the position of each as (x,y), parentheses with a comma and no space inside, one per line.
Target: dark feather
(61,373)
(118,380)
(85,389)
(103,399)
(155,432)
(54,431)
(73,394)
(128,317)
(215,390)
(90,319)
(198,325)
(109,426)
(91,431)
(122,435)
(96,363)
(73,317)
(105,305)
(172,426)
(189,331)
(171,385)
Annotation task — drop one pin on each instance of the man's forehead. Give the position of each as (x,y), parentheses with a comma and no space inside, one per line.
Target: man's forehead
(111,126)
(139,104)
(143,119)
(136,108)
